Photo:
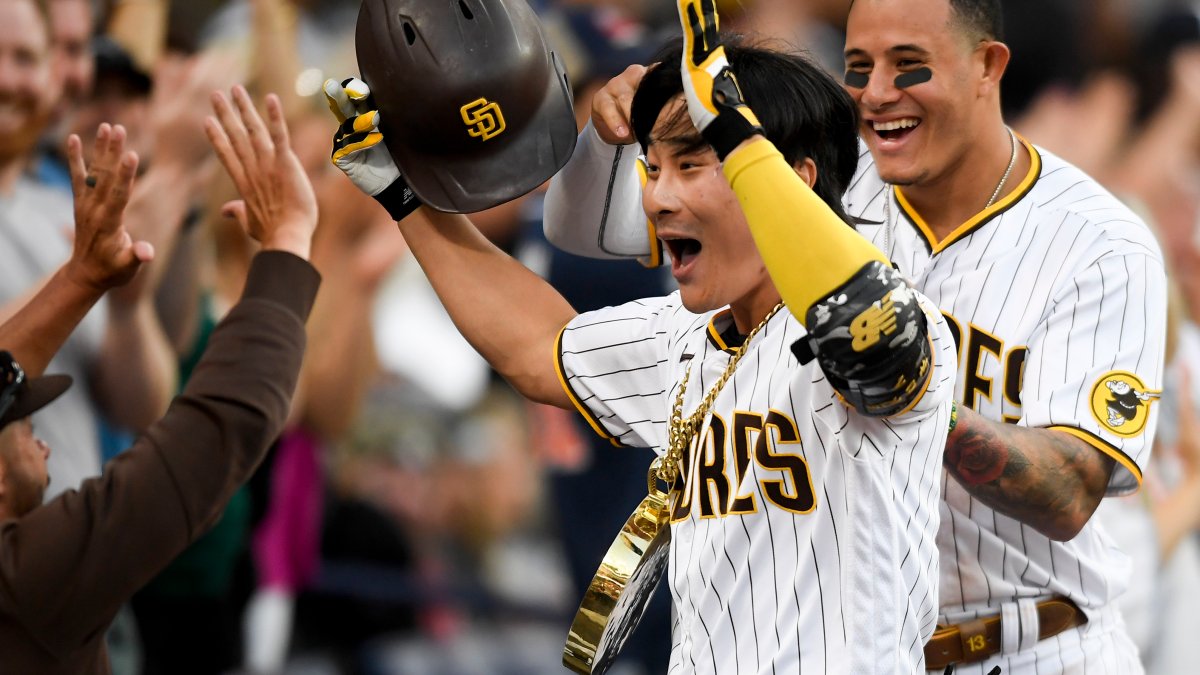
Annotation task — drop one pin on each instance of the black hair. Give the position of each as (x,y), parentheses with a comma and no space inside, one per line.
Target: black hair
(982,19)
(803,111)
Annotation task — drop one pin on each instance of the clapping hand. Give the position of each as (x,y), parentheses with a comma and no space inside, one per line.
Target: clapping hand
(278,206)
(104,254)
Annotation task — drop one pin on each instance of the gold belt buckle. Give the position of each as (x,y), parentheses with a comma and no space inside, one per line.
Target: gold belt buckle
(617,597)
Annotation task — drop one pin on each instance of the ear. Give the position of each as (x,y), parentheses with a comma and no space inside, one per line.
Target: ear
(995,61)
(807,170)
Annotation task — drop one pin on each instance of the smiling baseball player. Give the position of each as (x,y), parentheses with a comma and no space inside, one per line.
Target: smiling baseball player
(817,383)
(1056,295)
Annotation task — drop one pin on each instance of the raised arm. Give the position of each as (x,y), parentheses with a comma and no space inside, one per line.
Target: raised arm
(508,314)
(865,327)
(174,483)
(104,254)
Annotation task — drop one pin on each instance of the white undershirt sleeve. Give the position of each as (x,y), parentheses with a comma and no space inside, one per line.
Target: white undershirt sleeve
(594,204)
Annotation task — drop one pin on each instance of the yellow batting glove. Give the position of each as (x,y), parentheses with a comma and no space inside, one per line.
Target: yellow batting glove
(358,148)
(714,99)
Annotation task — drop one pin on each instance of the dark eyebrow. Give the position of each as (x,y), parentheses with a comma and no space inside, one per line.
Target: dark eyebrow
(679,143)
(897,49)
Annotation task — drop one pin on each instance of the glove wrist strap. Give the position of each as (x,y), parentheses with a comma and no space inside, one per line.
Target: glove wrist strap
(727,131)
(399,199)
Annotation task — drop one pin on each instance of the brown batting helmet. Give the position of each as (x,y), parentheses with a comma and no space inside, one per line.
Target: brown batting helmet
(475,109)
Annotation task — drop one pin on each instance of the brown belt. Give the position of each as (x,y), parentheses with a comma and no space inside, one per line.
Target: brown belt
(978,639)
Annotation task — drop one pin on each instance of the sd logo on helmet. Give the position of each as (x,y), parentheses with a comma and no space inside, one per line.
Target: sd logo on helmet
(475,109)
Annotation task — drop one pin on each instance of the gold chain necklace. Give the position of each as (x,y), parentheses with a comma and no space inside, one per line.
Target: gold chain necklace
(681,431)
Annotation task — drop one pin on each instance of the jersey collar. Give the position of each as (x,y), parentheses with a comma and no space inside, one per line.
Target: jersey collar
(979,219)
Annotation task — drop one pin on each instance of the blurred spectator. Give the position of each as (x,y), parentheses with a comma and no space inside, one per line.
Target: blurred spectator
(60,554)
(117,352)
(71,24)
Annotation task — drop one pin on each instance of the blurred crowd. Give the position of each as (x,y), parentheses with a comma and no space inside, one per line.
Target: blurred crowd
(417,516)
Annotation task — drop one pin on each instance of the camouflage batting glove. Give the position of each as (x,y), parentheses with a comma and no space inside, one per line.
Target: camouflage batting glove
(714,99)
(358,148)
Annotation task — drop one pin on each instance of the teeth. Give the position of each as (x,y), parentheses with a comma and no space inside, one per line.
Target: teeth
(905,123)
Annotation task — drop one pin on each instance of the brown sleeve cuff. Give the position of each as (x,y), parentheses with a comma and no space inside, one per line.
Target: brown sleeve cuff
(284,278)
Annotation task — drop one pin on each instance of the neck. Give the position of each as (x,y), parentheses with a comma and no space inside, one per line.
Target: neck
(751,310)
(947,201)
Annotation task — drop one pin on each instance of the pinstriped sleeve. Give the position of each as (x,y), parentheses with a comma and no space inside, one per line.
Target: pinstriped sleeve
(1095,366)
(613,365)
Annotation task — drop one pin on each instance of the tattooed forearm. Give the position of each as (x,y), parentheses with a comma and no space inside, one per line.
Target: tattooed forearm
(1047,479)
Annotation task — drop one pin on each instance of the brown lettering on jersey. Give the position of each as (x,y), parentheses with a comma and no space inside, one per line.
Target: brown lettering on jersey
(975,383)
(779,429)
(681,493)
(744,424)
(711,469)
(1014,374)
(792,492)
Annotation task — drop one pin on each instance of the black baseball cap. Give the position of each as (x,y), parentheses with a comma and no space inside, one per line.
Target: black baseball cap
(114,64)
(20,396)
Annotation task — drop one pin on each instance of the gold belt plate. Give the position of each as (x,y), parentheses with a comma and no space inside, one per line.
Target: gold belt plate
(617,597)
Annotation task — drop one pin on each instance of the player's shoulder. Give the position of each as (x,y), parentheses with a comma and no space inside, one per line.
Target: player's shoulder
(1064,192)
(660,315)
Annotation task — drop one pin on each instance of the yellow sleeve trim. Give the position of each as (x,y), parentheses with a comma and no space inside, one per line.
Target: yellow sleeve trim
(807,249)
(1105,447)
(929,379)
(583,410)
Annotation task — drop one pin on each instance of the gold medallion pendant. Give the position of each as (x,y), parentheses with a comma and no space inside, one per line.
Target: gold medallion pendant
(617,597)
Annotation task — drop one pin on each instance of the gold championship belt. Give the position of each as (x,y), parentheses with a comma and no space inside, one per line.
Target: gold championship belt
(617,597)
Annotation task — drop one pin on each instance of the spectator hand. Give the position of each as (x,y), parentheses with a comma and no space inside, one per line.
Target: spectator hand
(104,254)
(278,206)
(178,107)
(714,100)
(358,148)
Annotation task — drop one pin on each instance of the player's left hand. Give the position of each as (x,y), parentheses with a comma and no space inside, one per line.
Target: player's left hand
(358,148)
(714,99)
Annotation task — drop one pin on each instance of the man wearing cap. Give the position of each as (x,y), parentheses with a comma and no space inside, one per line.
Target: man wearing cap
(66,566)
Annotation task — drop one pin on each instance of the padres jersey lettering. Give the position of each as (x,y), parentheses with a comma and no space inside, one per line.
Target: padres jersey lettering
(802,532)
(1056,298)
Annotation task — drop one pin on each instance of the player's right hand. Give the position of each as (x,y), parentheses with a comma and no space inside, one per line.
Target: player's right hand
(612,105)
(358,148)
(714,100)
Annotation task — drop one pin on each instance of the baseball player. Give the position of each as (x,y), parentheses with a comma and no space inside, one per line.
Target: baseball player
(804,514)
(1056,295)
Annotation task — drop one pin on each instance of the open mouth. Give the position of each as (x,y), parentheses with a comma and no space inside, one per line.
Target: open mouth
(683,251)
(895,130)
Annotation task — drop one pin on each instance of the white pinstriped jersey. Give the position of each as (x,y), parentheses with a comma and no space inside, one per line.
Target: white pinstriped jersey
(1057,296)
(803,536)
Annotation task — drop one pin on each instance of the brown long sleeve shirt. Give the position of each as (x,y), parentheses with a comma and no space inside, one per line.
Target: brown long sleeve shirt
(67,566)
